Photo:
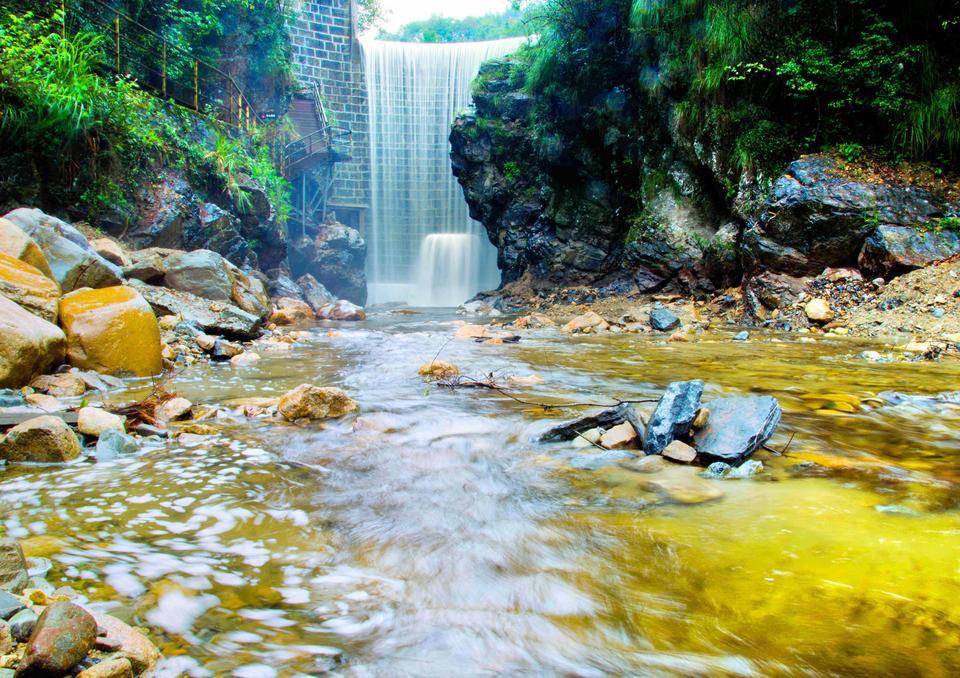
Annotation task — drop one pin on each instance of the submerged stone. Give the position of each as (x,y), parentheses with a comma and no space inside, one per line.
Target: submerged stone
(737,428)
(674,415)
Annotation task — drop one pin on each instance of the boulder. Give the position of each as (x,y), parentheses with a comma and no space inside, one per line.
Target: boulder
(315,402)
(14,242)
(201,272)
(315,294)
(249,293)
(113,443)
(28,345)
(281,285)
(341,310)
(13,567)
(589,321)
(73,262)
(818,310)
(10,604)
(674,415)
(165,209)
(892,250)
(214,317)
(63,636)
(110,250)
(336,258)
(113,331)
(737,428)
(439,369)
(173,409)
(41,439)
(66,385)
(94,421)
(291,312)
(817,216)
(133,645)
(109,668)
(22,283)
(663,320)
(149,265)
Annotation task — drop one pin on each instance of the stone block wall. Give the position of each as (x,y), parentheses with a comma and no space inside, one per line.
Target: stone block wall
(326,53)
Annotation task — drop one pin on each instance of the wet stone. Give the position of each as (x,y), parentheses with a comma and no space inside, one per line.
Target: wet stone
(605,419)
(663,320)
(13,567)
(674,415)
(7,642)
(22,624)
(9,605)
(63,636)
(737,427)
(112,444)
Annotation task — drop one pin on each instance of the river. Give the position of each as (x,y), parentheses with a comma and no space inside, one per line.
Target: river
(437,539)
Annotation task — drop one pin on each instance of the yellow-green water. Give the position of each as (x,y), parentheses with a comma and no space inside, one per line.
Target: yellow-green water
(440,540)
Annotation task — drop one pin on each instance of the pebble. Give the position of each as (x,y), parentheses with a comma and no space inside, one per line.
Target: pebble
(9,606)
(7,642)
(680,452)
(747,469)
(871,356)
(938,312)
(742,336)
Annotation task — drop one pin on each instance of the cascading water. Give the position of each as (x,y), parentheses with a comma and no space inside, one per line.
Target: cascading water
(424,249)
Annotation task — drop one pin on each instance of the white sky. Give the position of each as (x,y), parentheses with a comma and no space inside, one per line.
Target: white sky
(400,12)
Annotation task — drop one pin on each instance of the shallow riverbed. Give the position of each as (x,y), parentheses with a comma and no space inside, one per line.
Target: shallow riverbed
(437,539)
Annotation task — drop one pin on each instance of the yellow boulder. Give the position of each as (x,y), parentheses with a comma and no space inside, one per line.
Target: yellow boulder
(28,345)
(111,330)
(17,244)
(27,286)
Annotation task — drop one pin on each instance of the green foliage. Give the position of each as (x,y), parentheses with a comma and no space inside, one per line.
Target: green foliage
(512,171)
(370,14)
(947,224)
(850,152)
(508,24)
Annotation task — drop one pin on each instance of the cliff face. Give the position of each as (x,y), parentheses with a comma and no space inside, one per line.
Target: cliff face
(659,210)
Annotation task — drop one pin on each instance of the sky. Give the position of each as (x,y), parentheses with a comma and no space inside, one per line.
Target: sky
(400,12)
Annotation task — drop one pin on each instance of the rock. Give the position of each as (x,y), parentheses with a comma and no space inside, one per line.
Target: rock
(478,307)
(281,285)
(206,342)
(622,436)
(747,469)
(173,409)
(7,643)
(73,262)
(742,336)
(652,464)
(681,485)
(44,402)
(588,321)
(42,439)
(772,291)
(588,438)
(93,421)
(817,217)
(202,272)
(679,452)
(893,250)
(701,419)
(314,402)
(112,331)
(14,242)
(605,419)
(224,350)
(9,606)
(676,410)
(65,385)
(111,251)
(316,295)
(22,283)
(341,310)
(471,332)
(133,645)
(533,321)
(28,345)
(818,310)
(438,369)
(215,317)
(22,624)
(291,312)
(336,258)
(113,443)
(63,636)
(737,428)
(109,668)
(718,470)
(245,359)
(148,265)
(249,293)
(663,320)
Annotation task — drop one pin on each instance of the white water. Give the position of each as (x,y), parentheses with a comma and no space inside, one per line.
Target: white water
(414,92)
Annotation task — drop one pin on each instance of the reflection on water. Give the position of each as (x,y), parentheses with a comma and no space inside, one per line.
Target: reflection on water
(437,539)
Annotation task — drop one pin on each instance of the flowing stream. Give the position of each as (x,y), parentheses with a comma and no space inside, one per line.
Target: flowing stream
(414,92)
(433,538)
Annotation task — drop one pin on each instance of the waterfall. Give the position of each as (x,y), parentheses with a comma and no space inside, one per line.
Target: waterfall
(424,248)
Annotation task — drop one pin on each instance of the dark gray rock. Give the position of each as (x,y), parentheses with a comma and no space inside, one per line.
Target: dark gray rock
(336,258)
(282,286)
(892,250)
(737,428)
(113,444)
(571,429)
(9,605)
(22,624)
(663,320)
(674,415)
(315,294)
(215,317)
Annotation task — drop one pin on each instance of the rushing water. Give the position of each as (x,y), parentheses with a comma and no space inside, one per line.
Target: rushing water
(434,538)
(414,92)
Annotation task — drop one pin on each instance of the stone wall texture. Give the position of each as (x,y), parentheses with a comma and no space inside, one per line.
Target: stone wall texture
(326,53)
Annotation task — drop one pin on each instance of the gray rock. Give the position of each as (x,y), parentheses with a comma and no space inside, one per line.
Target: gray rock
(202,272)
(41,584)
(742,336)
(674,415)
(22,624)
(717,470)
(113,444)
(38,566)
(315,294)
(215,317)
(9,605)
(737,428)
(747,469)
(282,286)
(149,265)
(571,429)
(336,258)
(663,320)
(72,259)
(13,566)
(892,250)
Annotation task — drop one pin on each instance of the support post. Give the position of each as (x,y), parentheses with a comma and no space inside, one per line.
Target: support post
(163,71)
(196,85)
(63,15)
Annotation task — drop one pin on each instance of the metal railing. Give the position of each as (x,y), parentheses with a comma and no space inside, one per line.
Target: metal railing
(336,142)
